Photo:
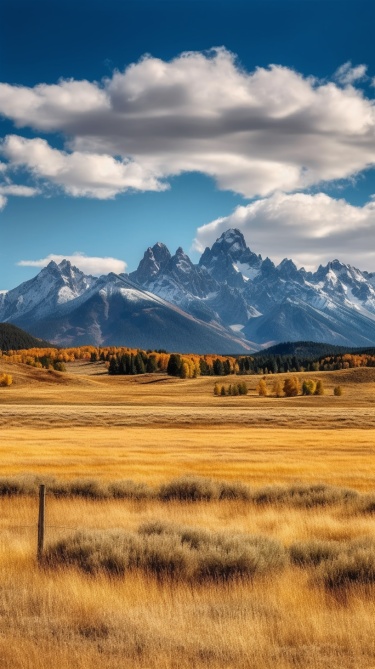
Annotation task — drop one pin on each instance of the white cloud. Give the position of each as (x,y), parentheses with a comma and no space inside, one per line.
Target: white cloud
(3,201)
(80,174)
(310,229)
(19,190)
(253,132)
(347,74)
(88,264)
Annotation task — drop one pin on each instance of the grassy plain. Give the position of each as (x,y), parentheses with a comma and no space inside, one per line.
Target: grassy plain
(86,424)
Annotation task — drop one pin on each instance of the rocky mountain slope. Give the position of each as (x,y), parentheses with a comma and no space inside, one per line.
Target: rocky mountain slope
(231,301)
(264,302)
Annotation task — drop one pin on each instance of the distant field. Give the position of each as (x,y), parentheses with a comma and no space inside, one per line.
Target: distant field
(150,428)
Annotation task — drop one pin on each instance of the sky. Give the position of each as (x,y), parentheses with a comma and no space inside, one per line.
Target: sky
(127,122)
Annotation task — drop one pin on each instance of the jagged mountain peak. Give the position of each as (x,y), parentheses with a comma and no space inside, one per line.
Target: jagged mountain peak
(230,260)
(287,264)
(232,242)
(231,288)
(161,253)
(288,270)
(267,266)
(181,260)
(154,260)
(65,270)
(232,236)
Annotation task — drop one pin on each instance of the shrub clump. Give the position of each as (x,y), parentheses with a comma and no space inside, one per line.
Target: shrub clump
(188,489)
(313,553)
(354,565)
(307,496)
(170,551)
(364,504)
(337,564)
(130,490)
(110,551)
(200,489)
(16,485)
(89,488)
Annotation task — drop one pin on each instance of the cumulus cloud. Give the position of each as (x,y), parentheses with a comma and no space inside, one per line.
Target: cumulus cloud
(347,74)
(90,175)
(310,229)
(88,264)
(253,132)
(3,201)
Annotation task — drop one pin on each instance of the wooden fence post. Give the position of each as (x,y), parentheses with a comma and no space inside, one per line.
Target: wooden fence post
(41,517)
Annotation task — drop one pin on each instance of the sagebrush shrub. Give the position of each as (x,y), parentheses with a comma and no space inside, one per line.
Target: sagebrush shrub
(354,565)
(170,551)
(189,489)
(313,553)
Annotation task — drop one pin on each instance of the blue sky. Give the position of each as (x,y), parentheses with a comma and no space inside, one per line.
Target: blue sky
(127,123)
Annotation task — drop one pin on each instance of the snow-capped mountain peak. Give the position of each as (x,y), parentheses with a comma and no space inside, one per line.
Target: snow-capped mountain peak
(231,289)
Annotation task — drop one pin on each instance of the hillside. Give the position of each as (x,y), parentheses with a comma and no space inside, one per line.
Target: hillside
(13,338)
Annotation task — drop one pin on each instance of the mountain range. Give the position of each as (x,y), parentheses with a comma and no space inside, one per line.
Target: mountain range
(232,301)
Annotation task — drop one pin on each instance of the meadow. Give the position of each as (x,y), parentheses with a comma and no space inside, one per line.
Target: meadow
(83,424)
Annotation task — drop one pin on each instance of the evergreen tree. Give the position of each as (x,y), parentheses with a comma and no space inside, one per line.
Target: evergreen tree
(151,365)
(174,365)
(218,367)
(113,366)
(226,367)
(204,367)
(139,364)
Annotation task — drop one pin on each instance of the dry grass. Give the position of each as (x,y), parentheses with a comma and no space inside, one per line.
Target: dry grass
(152,430)
(68,618)
(257,456)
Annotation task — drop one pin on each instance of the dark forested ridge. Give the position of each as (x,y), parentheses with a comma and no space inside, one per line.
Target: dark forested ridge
(304,349)
(13,338)
(305,356)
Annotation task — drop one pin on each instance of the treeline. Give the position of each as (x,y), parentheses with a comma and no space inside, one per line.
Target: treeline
(348,361)
(174,364)
(130,361)
(48,357)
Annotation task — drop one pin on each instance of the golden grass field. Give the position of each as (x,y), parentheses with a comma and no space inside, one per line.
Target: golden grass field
(86,424)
